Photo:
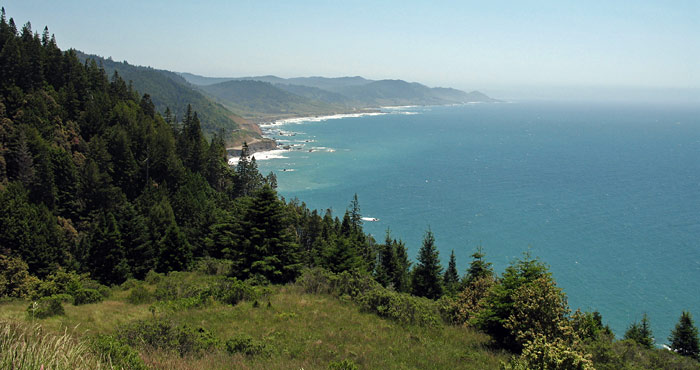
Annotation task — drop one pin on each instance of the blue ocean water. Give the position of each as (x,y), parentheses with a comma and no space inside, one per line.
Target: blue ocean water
(607,195)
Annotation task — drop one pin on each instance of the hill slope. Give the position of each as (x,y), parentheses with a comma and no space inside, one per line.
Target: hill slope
(257,99)
(348,92)
(169,90)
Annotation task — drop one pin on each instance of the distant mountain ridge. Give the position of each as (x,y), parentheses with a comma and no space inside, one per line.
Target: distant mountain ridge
(325,94)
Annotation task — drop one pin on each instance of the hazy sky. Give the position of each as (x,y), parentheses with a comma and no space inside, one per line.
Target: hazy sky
(516,47)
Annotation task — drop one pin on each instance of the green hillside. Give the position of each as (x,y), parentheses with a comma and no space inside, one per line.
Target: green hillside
(258,99)
(169,90)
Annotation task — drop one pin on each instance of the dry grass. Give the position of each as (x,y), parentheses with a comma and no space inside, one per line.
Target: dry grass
(29,346)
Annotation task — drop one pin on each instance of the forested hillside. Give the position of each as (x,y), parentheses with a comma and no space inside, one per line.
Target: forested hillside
(169,91)
(106,202)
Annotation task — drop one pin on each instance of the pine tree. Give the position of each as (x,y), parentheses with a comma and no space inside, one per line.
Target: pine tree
(641,333)
(387,263)
(402,281)
(267,246)
(106,257)
(478,268)
(451,278)
(427,276)
(355,216)
(684,338)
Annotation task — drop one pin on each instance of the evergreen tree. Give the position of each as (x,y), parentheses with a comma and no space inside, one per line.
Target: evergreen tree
(684,338)
(267,246)
(478,268)
(106,256)
(248,179)
(427,276)
(355,215)
(451,278)
(641,333)
(402,281)
(175,251)
(386,264)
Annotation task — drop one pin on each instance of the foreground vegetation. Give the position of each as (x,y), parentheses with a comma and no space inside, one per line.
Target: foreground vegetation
(105,205)
(273,327)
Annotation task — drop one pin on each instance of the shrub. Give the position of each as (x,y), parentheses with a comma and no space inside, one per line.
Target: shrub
(119,354)
(153,277)
(65,298)
(213,266)
(316,281)
(372,297)
(85,296)
(401,307)
(162,334)
(139,295)
(343,365)
(60,282)
(181,304)
(130,283)
(246,345)
(556,354)
(15,280)
(471,300)
(231,291)
(46,307)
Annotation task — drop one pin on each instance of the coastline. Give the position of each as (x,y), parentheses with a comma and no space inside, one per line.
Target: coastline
(268,148)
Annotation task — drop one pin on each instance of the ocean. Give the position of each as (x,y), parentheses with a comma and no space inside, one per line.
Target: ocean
(608,195)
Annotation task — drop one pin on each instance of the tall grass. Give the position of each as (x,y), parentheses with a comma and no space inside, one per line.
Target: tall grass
(28,346)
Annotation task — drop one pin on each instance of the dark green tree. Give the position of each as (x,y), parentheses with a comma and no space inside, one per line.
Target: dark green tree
(106,256)
(402,280)
(641,332)
(478,268)
(175,251)
(451,278)
(248,179)
(684,338)
(386,262)
(427,275)
(267,246)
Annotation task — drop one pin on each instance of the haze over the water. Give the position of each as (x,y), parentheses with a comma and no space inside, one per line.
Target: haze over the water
(635,50)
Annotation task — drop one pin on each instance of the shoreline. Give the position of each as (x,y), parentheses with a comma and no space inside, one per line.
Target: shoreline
(275,152)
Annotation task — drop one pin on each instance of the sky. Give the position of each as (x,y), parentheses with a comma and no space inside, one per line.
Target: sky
(535,49)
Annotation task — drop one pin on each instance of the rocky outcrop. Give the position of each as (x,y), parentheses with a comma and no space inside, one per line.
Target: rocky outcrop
(256,145)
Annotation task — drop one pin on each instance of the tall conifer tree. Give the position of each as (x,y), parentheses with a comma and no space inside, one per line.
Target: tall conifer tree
(684,338)
(427,276)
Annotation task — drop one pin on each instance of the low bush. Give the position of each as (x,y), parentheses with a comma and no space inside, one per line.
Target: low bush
(119,354)
(159,333)
(343,365)
(182,304)
(85,296)
(231,291)
(316,281)
(65,298)
(401,307)
(246,345)
(139,295)
(130,283)
(15,280)
(153,277)
(371,296)
(213,266)
(46,307)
